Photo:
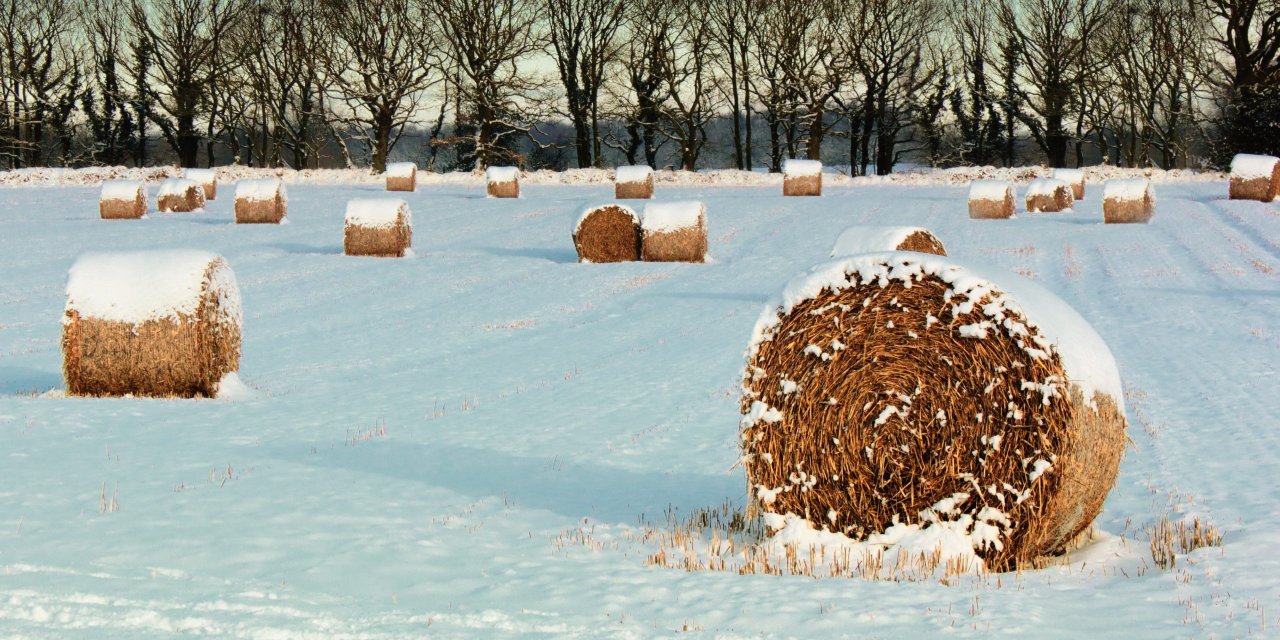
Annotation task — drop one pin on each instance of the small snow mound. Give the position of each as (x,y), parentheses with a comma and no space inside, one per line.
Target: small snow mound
(231,388)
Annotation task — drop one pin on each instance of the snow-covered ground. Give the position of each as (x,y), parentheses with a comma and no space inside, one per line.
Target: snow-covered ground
(481,441)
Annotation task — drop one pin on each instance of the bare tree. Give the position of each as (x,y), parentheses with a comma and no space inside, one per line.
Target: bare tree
(1247,75)
(105,101)
(734,25)
(581,35)
(641,91)
(37,75)
(975,102)
(686,71)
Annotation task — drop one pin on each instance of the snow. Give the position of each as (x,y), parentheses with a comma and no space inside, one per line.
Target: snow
(401,170)
(260,190)
(1069,176)
(794,167)
(996,190)
(590,209)
(502,174)
(134,287)
(673,216)
(122,190)
(871,239)
(202,176)
(1131,189)
(377,213)
(1248,166)
(634,173)
(1046,187)
(176,187)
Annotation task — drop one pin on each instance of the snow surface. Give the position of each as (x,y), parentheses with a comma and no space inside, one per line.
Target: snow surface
(203,176)
(123,190)
(1249,166)
(377,213)
(795,167)
(502,174)
(401,170)
(176,187)
(1131,189)
(1046,186)
(138,286)
(673,216)
(590,209)
(633,173)
(260,190)
(1070,176)
(871,239)
(996,190)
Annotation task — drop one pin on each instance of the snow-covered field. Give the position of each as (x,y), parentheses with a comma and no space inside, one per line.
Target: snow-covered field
(474,442)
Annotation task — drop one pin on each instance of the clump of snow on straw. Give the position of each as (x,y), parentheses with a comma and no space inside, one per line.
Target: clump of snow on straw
(870,239)
(1130,189)
(377,213)
(502,174)
(260,190)
(1046,187)
(1249,166)
(990,190)
(401,170)
(146,285)
(121,190)
(673,216)
(633,173)
(794,167)
(177,187)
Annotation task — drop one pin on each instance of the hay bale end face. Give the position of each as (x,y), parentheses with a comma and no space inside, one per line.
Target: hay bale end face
(801,178)
(180,195)
(633,183)
(122,199)
(1254,177)
(380,227)
(992,200)
(1128,201)
(261,201)
(402,176)
(155,323)
(910,388)
(207,179)
(1049,195)
(607,233)
(502,182)
(674,232)
(1073,177)
(870,239)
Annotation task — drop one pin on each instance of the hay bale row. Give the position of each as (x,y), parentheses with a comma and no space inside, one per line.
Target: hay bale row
(381,227)
(502,182)
(402,176)
(871,239)
(992,200)
(156,323)
(207,179)
(1254,177)
(906,388)
(122,199)
(180,195)
(261,201)
(1128,201)
(1049,195)
(633,182)
(801,178)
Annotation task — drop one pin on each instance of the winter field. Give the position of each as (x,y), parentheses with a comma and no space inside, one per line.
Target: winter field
(492,440)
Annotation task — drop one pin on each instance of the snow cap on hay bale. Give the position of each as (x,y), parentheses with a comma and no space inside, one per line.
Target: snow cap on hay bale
(152,323)
(121,199)
(801,178)
(1128,201)
(1049,195)
(207,179)
(378,227)
(904,387)
(1073,177)
(869,239)
(607,233)
(180,194)
(633,182)
(503,182)
(402,176)
(674,232)
(992,200)
(1254,177)
(261,201)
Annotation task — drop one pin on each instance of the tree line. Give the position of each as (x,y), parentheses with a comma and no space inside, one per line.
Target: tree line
(687,83)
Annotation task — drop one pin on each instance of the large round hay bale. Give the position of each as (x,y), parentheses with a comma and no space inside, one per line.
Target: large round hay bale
(801,178)
(633,182)
(992,200)
(155,323)
(261,201)
(381,227)
(674,232)
(1125,201)
(1073,177)
(902,387)
(502,182)
(180,195)
(122,199)
(1049,195)
(402,176)
(871,239)
(207,179)
(1254,177)
(607,233)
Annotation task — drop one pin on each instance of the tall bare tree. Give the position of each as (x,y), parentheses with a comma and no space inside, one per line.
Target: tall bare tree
(581,35)
(1247,74)
(37,74)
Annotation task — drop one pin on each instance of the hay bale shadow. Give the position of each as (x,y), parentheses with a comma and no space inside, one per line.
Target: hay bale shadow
(24,380)
(550,254)
(297,248)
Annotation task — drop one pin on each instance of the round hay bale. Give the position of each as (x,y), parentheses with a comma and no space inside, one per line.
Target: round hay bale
(261,201)
(122,199)
(674,232)
(1049,195)
(154,323)
(207,179)
(801,178)
(1254,177)
(381,227)
(869,239)
(1128,201)
(503,182)
(607,233)
(992,200)
(1073,177)
(899,387)
(633,182)
(180,195)
(402,176)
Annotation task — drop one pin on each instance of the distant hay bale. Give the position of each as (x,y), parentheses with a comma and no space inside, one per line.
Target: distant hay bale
(870,239)
(180,195)
(1049,195)
(1254,177)
(674,232)
(402,176)
(155,323)
(903,387)
(207,179)
(381,227)
(1073,177)
(633,183)
(1128,201)
(801,178)
(503,182)
(607,233)
(992,200)
(122,199)
(261,201)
